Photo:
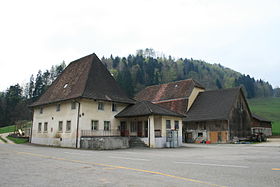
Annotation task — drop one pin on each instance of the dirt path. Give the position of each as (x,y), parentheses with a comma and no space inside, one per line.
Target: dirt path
(4,136)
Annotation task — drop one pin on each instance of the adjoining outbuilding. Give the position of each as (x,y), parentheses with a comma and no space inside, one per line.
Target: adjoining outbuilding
(261,125)
(216,116)
(155,125)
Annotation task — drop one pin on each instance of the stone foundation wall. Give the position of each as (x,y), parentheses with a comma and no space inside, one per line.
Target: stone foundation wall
(103,143)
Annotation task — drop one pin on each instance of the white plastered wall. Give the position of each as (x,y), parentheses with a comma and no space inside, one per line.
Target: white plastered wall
(88,112)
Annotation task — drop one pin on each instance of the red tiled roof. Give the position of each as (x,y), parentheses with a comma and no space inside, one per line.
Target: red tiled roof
(172,90)
(176,105)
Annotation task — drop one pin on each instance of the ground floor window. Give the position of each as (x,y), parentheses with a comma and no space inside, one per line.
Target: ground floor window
(176,123)
(39,127)
(133,126)
(94,125)
(68,126)
(46,127)
(107,125)
(168,124)
(60,126)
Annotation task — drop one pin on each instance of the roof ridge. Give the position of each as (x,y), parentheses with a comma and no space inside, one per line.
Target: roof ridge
(149,108)
(88,73)
(224,89)
(168,83)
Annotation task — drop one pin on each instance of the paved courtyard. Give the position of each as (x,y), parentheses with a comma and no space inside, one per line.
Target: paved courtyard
(191,165)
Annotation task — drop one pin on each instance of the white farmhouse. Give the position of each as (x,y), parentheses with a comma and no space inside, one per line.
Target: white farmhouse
(85,107)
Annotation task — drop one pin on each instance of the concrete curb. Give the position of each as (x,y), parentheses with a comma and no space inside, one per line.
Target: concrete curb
(4,136)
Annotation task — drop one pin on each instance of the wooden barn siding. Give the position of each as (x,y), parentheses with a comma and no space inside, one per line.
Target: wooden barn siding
(240,120)
(257,123)
(213,128)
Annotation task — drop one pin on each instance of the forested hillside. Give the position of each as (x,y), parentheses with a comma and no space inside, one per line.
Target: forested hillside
(146,68)
(134,73)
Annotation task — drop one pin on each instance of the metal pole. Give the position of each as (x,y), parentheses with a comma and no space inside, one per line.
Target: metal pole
(78,120)
(149,131)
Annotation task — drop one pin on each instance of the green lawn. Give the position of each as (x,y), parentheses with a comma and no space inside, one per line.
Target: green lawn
(268,108)
(17,140)
(7,129)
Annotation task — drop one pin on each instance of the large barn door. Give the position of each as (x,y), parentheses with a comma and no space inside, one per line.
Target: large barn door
(213,137)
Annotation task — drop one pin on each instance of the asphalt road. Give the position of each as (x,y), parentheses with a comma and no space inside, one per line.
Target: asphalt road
(192,165)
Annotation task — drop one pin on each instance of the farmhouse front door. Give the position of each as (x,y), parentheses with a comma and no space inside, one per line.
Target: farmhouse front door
(146,128)
(124,131)
(139,129)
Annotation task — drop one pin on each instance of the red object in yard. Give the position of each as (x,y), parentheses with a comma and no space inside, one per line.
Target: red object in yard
(208,142)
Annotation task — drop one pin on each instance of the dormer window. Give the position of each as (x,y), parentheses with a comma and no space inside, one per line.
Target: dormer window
(65,85)
(58,107)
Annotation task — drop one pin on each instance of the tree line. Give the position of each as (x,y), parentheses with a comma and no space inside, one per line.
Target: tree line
(147,68)
(15,100)
(134,73)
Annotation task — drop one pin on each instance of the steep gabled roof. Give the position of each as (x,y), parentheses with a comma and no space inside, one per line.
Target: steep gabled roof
(86,77)
(259,118)
(213,105)
(146,108)
(172,90)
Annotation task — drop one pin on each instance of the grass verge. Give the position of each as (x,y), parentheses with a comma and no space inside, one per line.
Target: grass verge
(6,129)
(17,140)
(276,128)
(5,141)
(269,108)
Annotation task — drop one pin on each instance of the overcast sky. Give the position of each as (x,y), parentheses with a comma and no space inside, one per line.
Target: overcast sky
(240,34)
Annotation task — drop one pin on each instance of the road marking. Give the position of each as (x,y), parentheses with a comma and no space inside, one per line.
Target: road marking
(76,153)
(218,165)
(126,158)
(109,168)
(120,167)
(276,169)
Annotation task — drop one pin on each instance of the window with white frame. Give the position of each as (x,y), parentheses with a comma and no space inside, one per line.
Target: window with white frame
(176,124)
(60,126)
(39,127)
(58,107)
(68,126)
(73,105)
(168,124)
(46,127)
(114,107)
(100,106)
(94,125)
(107,125)
(133,126)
